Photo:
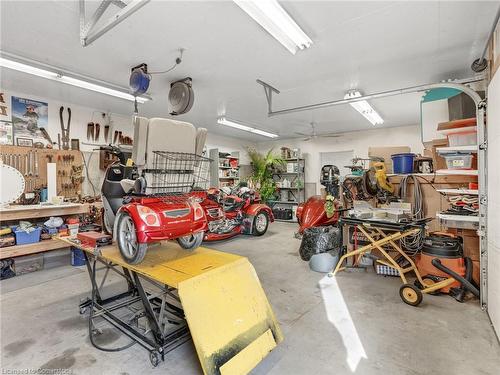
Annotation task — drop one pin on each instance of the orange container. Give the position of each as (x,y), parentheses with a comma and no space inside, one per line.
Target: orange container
(425,267)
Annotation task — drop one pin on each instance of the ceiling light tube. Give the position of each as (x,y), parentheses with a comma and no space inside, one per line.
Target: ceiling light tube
(224,121)
(363,107)
(277,22)
(58,75)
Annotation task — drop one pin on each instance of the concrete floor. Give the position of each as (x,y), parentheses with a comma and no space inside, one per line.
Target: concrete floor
(354,323)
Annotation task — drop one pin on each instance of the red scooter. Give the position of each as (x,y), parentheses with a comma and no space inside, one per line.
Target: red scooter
(159,205)
(234,212)
(318,211)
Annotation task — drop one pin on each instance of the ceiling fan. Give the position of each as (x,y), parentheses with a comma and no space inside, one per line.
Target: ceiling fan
(314,135)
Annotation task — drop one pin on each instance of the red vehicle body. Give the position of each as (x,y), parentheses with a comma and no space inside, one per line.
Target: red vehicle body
(239,212)
(312,213)
(160,218)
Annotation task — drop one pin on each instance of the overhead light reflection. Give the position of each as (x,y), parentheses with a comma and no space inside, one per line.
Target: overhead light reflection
(338,314)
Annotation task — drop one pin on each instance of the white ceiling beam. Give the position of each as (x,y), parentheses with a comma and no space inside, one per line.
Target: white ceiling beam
(88,30)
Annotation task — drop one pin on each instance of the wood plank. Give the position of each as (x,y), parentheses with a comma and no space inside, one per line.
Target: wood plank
(426,178)
(33,248)
(47,211)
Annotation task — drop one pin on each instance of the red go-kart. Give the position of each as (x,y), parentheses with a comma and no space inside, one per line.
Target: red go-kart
(234,212)
(148,219)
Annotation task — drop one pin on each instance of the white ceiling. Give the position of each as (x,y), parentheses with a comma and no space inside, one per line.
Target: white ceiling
(371,46)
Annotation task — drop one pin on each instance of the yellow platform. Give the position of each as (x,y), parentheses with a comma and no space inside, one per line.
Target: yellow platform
(230,319)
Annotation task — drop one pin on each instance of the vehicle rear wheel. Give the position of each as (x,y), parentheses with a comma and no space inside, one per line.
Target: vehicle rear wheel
(132,251)
(106,225)
(260,223)
(192,241)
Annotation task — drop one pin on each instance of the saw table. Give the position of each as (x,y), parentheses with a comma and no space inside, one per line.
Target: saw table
(212,296)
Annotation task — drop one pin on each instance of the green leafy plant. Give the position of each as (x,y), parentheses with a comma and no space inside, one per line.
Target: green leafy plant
(263,166)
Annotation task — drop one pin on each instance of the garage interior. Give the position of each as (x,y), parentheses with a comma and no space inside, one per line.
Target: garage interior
(249,186)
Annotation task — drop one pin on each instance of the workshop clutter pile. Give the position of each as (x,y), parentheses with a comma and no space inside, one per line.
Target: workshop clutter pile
(27,232)
(386,222)
(467,205)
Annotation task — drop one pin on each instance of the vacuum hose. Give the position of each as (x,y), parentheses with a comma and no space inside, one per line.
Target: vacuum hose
(465,283)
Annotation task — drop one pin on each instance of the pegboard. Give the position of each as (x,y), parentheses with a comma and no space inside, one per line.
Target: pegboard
(32,163)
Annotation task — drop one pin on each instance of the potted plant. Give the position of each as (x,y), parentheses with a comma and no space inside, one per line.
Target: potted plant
(262,177)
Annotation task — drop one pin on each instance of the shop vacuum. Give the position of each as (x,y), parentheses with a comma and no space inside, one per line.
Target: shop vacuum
(442,258)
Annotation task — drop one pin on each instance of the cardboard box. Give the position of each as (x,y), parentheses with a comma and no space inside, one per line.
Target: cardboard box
(476,272)
(386,152)
(430,150)
(471,242)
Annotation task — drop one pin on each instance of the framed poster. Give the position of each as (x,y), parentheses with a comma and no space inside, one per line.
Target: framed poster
(6,133)
(25,142)
(5,106)
(28,116)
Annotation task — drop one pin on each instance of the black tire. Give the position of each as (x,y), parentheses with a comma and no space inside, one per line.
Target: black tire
(154,358)
(132,251)
(410,294)
(192,241)
(260,223)
(106,226)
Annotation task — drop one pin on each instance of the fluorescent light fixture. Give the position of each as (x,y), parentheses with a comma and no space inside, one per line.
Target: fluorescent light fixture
(54,74)
(363,107)
(224,121)
(277,22)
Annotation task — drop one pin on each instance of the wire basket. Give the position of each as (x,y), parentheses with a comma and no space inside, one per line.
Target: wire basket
(176,173)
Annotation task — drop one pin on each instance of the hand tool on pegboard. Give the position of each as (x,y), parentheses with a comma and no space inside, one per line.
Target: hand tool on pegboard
(46,136)
(36,171)
(65,130)
(90,131)
(97,131)
(106,133)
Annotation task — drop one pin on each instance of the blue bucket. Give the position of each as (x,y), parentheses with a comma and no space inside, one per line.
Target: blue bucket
(77,257)
(402,163)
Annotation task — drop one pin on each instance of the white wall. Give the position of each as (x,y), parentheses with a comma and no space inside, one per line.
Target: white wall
(226,144)
(81,115)
(432,114)
(358,141)
(494,201)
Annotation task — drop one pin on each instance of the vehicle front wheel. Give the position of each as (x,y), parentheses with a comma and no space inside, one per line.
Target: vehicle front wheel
(260,223)
(132,251)
(192,241)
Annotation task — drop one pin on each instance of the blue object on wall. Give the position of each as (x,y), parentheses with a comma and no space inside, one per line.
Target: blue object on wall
(139,82)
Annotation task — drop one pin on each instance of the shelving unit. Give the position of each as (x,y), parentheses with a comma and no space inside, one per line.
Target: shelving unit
(297,192)
(222,173)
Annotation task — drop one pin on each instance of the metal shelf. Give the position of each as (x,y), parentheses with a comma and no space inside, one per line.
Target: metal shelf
(464,172)
(465,218)
(458,191)
(453,149)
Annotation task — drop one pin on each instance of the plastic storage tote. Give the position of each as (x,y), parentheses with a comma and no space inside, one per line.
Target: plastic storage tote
(402,163)
(24,238)
(458,161)
(77,257)
(462,138)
